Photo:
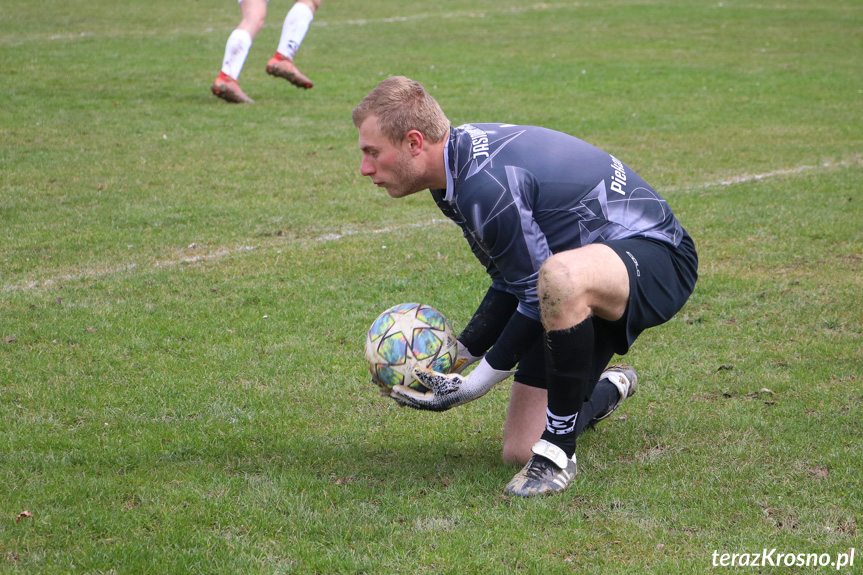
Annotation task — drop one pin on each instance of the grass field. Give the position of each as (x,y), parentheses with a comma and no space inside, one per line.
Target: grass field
(185,287)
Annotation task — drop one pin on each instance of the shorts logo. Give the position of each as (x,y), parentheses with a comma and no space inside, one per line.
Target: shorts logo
(635,261)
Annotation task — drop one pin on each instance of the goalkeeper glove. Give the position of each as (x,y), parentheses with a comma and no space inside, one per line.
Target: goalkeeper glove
(449,390)
(464,358)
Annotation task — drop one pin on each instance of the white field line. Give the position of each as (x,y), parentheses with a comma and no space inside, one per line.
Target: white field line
(744,178)
(335,237)
(213,255)
(100,272)
(462,14)
(318,23)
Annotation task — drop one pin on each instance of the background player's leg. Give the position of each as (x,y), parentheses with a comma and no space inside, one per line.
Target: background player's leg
(254,12)
(294,30)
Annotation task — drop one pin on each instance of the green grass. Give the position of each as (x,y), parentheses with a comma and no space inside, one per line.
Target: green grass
(185,286)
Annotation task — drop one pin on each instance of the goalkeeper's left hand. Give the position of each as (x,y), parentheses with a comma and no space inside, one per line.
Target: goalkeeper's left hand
(449,390)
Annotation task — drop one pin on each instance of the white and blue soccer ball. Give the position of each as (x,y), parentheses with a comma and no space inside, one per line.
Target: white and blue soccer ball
(407,335)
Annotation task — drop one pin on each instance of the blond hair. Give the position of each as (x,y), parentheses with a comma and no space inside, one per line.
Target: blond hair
(402,105)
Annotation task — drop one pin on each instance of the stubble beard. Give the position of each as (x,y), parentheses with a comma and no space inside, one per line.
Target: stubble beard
(407,178)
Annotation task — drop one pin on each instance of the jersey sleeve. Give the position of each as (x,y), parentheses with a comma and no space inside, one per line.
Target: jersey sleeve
(488,322)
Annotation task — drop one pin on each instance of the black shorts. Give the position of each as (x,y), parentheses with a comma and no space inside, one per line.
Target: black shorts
(661,279)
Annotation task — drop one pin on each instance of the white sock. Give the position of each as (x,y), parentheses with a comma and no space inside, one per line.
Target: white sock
(294,29)
(236,52)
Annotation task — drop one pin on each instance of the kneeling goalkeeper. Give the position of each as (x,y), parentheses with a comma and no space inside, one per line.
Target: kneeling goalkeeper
(583,256)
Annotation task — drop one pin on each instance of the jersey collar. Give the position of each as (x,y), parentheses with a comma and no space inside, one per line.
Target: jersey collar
(450,187)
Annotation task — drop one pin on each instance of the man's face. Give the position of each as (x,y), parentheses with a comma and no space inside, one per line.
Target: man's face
(390,166)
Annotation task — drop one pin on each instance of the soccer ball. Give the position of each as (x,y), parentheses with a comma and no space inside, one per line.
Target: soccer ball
(407,335)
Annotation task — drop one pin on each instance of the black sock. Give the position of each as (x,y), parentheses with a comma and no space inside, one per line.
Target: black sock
(568,362)
(605,395)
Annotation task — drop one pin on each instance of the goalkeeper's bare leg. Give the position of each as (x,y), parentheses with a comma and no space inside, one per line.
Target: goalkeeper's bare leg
(525,414)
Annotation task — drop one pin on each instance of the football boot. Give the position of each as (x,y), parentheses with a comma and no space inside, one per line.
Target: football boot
(227,89)
(548,471)
(624,378)
(283,67)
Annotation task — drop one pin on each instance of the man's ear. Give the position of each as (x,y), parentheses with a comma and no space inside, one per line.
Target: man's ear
(415,141)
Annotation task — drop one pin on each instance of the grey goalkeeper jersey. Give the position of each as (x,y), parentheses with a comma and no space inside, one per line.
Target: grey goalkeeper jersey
(522,193)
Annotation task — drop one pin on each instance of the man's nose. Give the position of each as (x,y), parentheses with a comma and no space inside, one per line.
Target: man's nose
(366,168)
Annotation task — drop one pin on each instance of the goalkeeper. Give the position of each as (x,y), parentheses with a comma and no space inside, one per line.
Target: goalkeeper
(582,253)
